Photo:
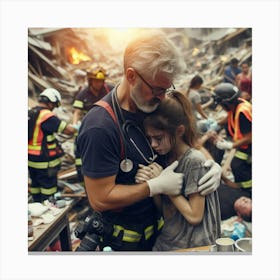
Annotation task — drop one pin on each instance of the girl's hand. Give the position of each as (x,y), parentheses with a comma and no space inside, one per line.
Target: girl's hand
(146,173)
(155,169)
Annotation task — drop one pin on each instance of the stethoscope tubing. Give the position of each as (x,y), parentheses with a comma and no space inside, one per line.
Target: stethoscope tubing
(117,110)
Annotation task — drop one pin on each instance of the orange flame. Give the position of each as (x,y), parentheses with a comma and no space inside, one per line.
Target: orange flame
(75,56)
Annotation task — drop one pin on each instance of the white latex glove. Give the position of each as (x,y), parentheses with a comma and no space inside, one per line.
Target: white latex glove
(224,145)
(77,125)
(211,180)
(168,182)
(145,173)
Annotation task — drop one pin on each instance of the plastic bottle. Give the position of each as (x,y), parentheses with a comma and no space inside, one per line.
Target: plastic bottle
(238,232)
(30,226)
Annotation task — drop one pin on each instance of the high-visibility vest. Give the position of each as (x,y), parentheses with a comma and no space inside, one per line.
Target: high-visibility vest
(244,107)
(35,145)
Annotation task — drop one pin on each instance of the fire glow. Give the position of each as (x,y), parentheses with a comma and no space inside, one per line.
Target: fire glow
(76,57)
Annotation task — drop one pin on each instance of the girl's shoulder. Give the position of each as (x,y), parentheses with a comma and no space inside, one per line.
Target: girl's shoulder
(192,157)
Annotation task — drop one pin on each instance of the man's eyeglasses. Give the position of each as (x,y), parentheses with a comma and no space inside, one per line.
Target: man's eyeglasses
(156,91)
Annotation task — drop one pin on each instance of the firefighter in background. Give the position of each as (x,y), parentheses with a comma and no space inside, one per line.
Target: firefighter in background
(95,90)
(239,127)
(44,151)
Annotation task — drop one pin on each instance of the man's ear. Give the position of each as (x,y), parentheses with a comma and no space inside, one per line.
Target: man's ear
(180,130)
(130,75)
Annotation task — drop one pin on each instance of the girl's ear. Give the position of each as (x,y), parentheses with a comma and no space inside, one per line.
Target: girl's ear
(180,130)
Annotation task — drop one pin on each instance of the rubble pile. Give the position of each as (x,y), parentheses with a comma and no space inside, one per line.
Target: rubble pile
(59,57)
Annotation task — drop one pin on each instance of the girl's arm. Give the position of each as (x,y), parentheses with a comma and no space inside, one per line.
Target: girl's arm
(145,173)
(192,209)
(200,110)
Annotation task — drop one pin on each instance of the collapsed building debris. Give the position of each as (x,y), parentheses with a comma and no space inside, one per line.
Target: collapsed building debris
(59,57)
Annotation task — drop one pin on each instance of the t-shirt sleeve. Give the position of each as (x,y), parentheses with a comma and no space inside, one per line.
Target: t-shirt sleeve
(197,99)
(194,174)
(78,103)
(100,153)
(53,124)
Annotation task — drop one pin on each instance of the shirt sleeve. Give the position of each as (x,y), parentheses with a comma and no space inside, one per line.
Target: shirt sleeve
(53,124)
(197,99)
(100,153)
(194,173)
(78,103)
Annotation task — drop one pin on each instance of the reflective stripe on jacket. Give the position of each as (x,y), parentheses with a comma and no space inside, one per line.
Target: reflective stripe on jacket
(35,145)
(244,107)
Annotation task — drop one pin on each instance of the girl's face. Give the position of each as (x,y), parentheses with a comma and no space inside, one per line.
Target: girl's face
(159,140)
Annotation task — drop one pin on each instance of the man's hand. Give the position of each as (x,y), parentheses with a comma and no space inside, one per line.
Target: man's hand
(145,173)
(211,180)
(168,182)
(224,145)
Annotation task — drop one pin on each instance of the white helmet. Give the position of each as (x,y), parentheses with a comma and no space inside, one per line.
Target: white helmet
(52,95)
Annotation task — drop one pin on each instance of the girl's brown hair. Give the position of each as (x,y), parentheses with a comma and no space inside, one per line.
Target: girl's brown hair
(173,111)
(195,81)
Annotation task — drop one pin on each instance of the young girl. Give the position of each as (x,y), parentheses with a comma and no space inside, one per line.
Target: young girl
(194,96)
(191,220)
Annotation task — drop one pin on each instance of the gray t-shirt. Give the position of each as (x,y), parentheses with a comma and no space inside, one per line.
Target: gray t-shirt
(177,232)
(195,98)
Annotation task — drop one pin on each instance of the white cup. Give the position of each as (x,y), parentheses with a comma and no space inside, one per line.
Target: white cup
(225,244)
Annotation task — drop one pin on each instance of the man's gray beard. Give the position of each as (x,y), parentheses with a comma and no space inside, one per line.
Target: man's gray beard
(137,99)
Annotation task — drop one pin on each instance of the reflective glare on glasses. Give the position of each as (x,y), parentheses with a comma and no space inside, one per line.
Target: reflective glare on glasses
(156,91)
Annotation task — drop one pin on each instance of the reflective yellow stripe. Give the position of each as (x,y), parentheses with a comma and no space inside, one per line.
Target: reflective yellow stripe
(62,126)
(36,148)
(241,155)
(50,138)
(37,126)
(134,236)
(78,104)
(78,161)
(149,231)
(45,164)
(52,146)
(128,236)
(49,191)
(246,184)
(35,190)
(54,162)
(160,223)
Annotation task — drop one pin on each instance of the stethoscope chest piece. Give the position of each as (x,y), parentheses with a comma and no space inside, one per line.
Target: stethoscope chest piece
(126,165)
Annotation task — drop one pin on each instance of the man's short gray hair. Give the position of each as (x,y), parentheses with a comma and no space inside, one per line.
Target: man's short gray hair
(152,52)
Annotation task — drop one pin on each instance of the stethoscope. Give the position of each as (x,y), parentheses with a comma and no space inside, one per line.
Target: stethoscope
(126,165)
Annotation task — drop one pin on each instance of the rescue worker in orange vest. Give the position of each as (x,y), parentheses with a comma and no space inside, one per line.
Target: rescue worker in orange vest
(44,151)
(239,127)
(97,88)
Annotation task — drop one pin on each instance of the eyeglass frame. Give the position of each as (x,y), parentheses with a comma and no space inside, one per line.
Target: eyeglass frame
(163,90)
